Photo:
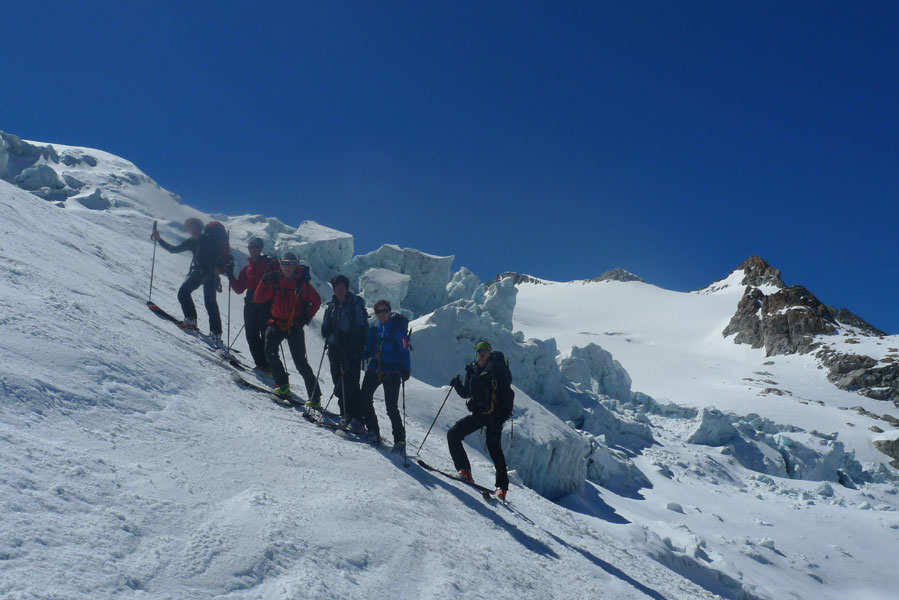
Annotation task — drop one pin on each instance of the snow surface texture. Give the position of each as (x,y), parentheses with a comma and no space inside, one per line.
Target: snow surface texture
(134,468)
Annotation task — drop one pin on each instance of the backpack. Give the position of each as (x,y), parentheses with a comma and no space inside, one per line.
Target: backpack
(217,235)
(492,391)
(504,399)
(400,323)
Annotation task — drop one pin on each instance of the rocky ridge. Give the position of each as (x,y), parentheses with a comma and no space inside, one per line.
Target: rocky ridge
(791,320)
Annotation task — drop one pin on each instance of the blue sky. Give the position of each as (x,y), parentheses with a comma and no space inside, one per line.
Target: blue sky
(673,139)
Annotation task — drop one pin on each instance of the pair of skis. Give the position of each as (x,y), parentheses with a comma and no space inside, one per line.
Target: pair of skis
(232,360)
(486,493)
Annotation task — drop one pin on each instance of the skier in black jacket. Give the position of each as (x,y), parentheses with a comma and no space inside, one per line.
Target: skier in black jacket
(209,260)
(345,329)
(488,387)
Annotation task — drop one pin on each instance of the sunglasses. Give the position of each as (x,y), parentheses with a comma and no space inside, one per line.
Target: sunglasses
(254,247)
(382,311)
(288,264)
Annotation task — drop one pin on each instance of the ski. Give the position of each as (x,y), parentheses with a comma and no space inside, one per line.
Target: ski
(193,330)
(486,493)
(342,429)
(292,401)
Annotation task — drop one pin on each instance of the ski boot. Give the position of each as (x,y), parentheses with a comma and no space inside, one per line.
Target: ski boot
(465,475)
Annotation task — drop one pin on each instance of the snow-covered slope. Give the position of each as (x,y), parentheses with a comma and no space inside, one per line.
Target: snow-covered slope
(134,468)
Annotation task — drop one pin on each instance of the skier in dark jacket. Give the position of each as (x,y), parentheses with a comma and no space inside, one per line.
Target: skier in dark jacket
(387,352)
(294,303)
(255,315)
(209,261)
(488,387)
(344,328)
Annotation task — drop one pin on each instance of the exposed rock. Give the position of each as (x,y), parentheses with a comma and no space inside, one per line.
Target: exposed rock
(890,448)
(784,322)
(618,274)
(516,278)
(843,315)
(860,373)
(757,273)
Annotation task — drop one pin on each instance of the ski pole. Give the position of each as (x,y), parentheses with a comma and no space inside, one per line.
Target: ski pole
(434,421)
(229,315)
(342,390)
(403,384)
(153,268)
(317,373)
(228,351)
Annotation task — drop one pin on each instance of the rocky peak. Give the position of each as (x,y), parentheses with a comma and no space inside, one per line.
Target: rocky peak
(618,274)
(757,273)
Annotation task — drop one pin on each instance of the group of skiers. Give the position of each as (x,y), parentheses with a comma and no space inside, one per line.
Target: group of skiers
(280,301)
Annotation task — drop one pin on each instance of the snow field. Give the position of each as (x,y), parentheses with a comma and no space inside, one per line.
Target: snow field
(135,468)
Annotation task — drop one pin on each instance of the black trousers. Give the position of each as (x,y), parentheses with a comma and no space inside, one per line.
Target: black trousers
(296,341)
(468,425)
(210,282)
(346,366)
(255,319)
(391,383)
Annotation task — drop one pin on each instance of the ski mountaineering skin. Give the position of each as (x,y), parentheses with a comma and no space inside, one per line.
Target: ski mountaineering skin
(281,300)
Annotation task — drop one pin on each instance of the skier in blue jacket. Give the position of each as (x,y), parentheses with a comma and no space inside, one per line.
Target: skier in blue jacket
(387,352)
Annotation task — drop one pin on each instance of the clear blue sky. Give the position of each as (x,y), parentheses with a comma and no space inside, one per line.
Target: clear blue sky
(669,138)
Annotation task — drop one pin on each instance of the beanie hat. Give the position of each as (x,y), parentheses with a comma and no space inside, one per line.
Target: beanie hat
(482,345)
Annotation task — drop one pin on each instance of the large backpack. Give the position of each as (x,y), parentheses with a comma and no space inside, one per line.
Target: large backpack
(504,399)
(401,323)
(217,237)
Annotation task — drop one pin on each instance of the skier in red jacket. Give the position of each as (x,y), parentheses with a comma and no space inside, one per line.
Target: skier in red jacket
(255,315)
(294,303)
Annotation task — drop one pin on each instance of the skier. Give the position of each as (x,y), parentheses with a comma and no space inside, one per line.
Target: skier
(209,245)
(294,303)
(255,315)
(488,387)
(344,328)
(387,351)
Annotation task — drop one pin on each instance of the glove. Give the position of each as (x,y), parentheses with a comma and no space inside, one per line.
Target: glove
(405,374)
(456,382)
(229,268)
(270,277)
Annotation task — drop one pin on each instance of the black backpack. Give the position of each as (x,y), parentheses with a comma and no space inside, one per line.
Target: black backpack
(492,391)
(504,395)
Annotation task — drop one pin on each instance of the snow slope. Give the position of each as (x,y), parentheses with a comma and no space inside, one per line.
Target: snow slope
(795,531)
(134,468)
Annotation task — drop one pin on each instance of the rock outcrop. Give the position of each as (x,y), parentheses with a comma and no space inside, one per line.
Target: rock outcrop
(890,448)
(618,274)
(785,322)
(791,320)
